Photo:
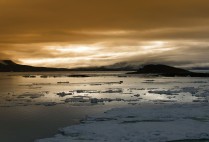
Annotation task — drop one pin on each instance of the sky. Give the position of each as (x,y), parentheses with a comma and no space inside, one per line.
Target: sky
(83,33)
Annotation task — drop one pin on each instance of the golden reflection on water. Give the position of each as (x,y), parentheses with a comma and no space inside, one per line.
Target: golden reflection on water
(19,89)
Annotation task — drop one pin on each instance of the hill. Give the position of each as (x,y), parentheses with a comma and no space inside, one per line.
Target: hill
(168,71)
(10,66)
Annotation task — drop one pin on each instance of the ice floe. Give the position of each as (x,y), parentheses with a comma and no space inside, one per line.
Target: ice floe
(148,123)
(31,95)
(63,94)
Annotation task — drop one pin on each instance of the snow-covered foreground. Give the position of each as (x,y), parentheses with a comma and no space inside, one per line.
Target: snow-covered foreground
(147,122)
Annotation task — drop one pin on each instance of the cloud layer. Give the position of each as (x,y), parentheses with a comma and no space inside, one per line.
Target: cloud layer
(73,33)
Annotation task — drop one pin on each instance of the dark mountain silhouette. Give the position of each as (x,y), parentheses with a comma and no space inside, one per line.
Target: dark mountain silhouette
(168,71)
(113,67)
(162,70)
(104,68)
(10,66)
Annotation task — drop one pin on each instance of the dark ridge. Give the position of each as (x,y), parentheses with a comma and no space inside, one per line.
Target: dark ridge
(161,69)
(103,68)
(9,62)
(10,66)
(168,71)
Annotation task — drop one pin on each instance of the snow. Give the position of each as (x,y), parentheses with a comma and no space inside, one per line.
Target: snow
(144,123)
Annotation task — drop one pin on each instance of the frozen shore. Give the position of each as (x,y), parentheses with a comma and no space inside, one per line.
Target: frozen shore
(146,122)
(157,108)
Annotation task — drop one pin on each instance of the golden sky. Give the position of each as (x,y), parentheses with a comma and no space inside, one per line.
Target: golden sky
(80,33)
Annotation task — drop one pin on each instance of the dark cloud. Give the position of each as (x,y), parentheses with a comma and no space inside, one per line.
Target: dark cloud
(46,20)
(27,28)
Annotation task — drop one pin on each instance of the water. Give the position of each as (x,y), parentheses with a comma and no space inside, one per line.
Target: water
(25,124)
(30,108)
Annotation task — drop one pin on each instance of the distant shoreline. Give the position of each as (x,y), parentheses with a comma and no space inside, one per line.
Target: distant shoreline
(167,71)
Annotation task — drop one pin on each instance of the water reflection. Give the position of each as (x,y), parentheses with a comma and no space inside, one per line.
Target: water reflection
(21,90)
(35,107)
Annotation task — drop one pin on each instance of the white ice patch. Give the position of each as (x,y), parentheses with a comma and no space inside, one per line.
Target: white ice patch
(145,123)
(191,90)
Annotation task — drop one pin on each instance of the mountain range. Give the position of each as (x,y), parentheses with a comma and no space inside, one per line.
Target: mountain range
(154,69)
(10,66)
(168,71)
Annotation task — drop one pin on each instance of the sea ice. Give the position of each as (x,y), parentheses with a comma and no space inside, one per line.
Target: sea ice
(144,123)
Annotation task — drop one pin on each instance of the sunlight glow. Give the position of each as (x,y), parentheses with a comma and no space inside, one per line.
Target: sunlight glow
(71,48)
(156,47)
(75,55)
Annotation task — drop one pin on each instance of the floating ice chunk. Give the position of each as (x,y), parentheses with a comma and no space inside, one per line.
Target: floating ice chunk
(47,103)
(164,101)
(64,82)
(78,75)
(44,76)
(63,94)
(31,95)
(77,99)
(29,76)
(87,91)
(201,100)
(191,90)
(117,90)
(122,76)
(94,100)
(166,92)
(136,89)
(41,84)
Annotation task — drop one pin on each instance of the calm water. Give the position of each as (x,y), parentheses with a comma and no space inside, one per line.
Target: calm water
(37,106)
